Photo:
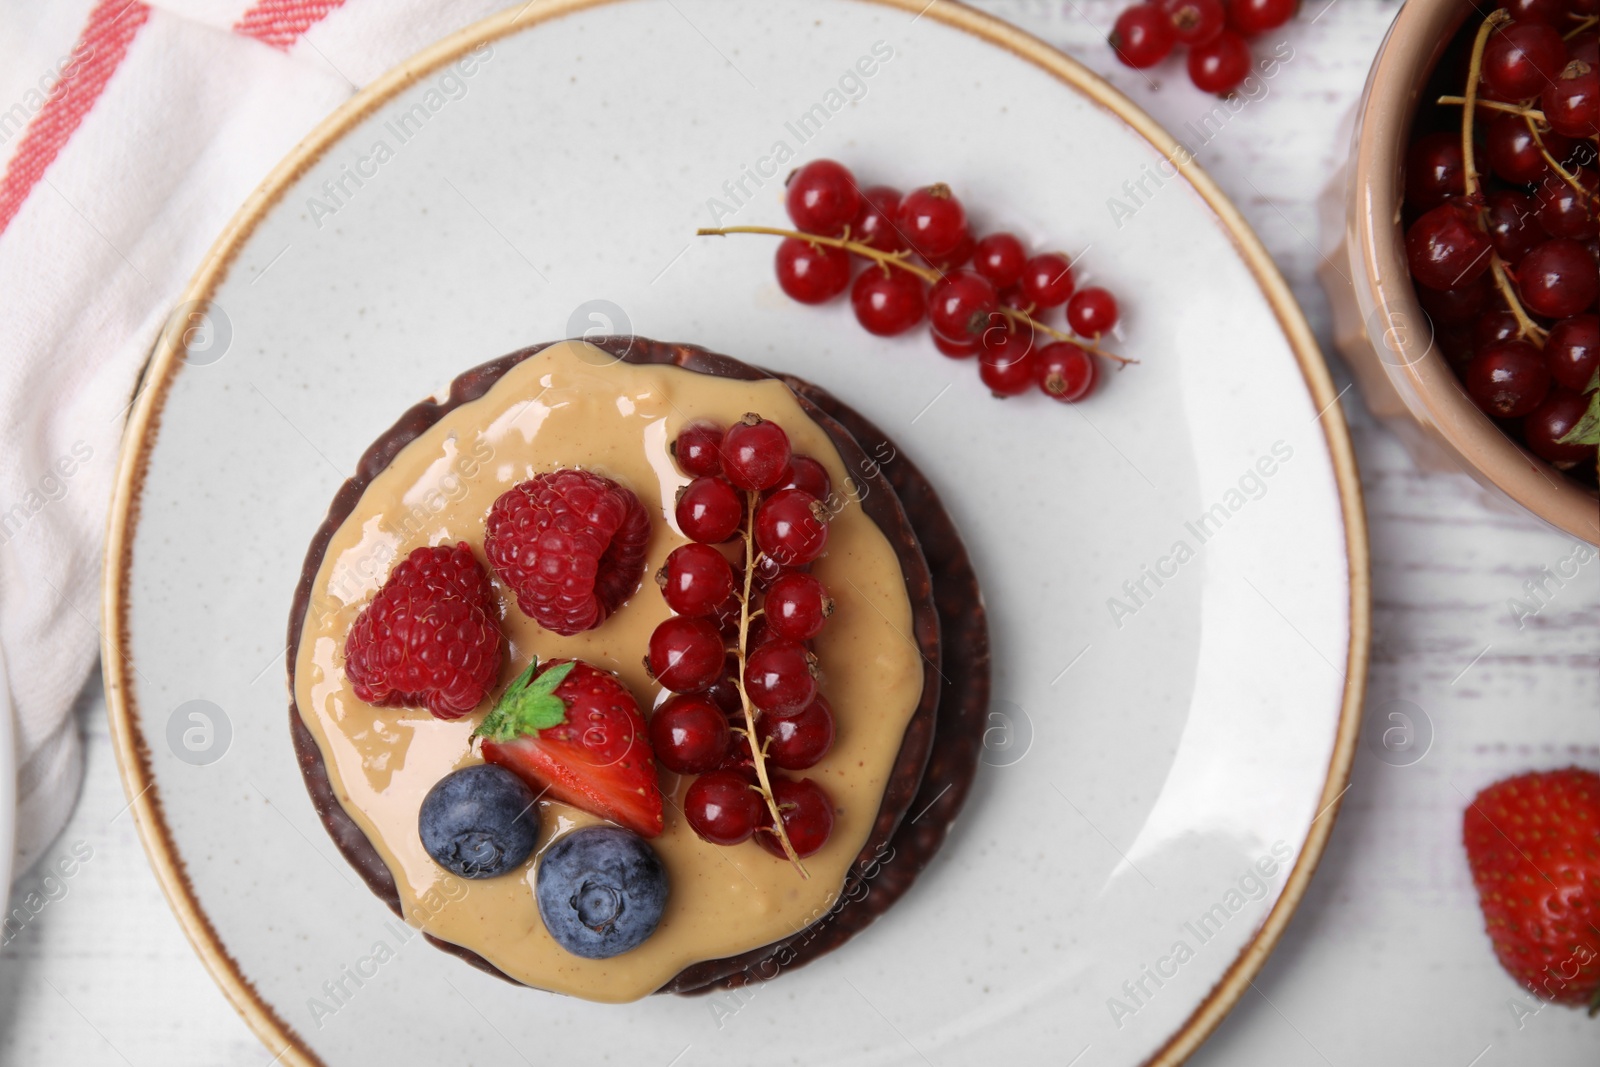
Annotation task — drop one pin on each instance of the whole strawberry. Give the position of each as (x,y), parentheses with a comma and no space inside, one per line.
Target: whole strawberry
(575,733)
(429,637)
(571,545)
(1533,843)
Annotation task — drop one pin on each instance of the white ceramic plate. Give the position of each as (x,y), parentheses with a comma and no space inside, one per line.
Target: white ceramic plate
(1101,896)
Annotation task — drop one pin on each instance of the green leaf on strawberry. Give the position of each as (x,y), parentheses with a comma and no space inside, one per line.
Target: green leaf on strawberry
(576,735)
(528,705)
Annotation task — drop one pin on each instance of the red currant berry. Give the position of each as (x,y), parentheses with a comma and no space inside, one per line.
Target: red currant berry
(960,305)
(1509,218)
(1571,102)
(1550,11)
(1013,297)
(878,222)
(1194,22)
(780,677)
(956,257)
(812,274)
(755,453)
(686,654)
(1492,327)
(1004,345)
(696,580)
(698,449)
(1221,64)
(800,741)
(807,475)
(709,511)
(796,606)
(1091,312)
(767,570)
(723,807)
(999,257)
(887,301)
(807,814)
(1548,423)
(1512,150)
(1008,373)
(1456,344)
(932,220)
(1047,280)
(1142,36)
(1572,352)
(1065,372)
(791,527)
(1507,379)
(724,692)
(955,349)
(1558,278)
(1585,46)
(739,758)
(1250,17)
(1445,249)
(690,735)
(1521,58)
(1434,170)
(1565,212)
(822,198)
(1456,307)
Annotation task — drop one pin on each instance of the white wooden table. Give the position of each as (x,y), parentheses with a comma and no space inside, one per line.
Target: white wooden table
(1385,962)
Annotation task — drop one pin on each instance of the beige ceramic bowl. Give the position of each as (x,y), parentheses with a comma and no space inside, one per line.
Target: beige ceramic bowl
(1378,325)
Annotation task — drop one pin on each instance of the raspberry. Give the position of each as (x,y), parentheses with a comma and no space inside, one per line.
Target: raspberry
(429,637)
(571,545)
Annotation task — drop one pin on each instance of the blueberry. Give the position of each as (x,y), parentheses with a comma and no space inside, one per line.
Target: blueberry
(601,891)
(479,821)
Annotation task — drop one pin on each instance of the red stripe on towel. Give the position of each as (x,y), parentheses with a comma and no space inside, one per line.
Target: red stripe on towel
(105,39)
(281,22)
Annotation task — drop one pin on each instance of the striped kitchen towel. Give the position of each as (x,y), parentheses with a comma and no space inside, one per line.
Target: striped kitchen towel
(130,132)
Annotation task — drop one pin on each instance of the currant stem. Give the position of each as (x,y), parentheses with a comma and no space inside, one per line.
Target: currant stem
(1060,335)
(1570,179)
(1495,105)
(1586,24)
(888,259)
(759,758)
(899,259)
(1526,327)
(1470,98)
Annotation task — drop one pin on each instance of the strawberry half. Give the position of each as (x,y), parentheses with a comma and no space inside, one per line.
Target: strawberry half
(1533,843)
(576,733)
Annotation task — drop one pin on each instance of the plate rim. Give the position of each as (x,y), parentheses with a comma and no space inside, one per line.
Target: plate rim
(133,751)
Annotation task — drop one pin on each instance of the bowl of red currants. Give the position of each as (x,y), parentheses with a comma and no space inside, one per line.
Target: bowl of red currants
(1466,278)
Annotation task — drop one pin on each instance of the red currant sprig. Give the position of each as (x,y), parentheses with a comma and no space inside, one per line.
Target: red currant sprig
(1214,31)
(1507,272)
(749,485)
(993,310)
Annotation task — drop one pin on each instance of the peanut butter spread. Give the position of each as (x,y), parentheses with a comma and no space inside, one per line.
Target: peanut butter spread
(572,405)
